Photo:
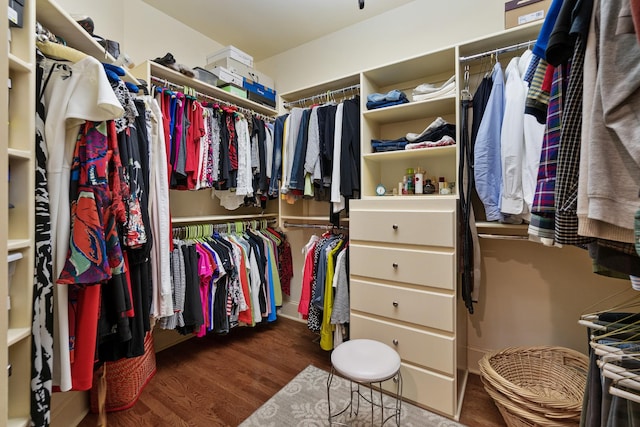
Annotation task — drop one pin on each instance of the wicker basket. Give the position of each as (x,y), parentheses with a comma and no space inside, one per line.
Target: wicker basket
(536,386)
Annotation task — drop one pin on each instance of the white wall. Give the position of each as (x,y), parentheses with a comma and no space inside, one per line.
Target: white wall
(143,31)
(415,28)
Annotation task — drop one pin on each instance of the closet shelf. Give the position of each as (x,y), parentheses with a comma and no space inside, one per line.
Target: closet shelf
(434,64)
(302,218)
(185,220)
(503,38)
(15,335)
(17,64)
(171,76)
(60,23)
(504,231)
(319,89)
(19,154)
(412,110)
(16,244)
(418,153)
(18,422)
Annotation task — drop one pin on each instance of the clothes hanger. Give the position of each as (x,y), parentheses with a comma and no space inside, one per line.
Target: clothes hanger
(60,52)
(588,318)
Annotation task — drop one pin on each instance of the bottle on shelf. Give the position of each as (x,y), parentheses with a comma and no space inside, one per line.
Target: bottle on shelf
(410,181)
(429,188)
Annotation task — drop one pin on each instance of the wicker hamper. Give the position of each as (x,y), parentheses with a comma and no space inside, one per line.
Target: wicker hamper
(536,386)
(123,380)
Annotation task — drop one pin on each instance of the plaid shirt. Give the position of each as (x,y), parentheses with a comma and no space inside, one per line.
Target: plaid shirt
(566,197)
(544,199)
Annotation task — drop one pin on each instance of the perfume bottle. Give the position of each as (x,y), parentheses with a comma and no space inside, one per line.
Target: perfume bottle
(429,188)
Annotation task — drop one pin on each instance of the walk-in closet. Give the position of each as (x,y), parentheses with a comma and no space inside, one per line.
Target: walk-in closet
(204,201)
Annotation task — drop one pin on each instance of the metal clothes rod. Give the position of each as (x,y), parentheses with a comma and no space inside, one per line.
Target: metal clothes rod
(321,96)
(206,229)
(180,88)
(511,48)
(321,226)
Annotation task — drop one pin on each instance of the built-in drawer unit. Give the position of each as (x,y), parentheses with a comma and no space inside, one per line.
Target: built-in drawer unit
(410,222)
(420,267)
(422,308)
(418,347)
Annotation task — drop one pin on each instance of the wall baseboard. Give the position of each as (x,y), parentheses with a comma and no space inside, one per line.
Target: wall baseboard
(473,358)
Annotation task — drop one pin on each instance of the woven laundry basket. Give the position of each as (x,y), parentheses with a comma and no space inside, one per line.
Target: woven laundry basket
(536,386)
(123,380)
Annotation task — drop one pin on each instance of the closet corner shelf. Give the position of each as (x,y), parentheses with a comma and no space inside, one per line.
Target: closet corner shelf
(17,64)
(15,335)
(302,218)
(19,154)
(186,220)
(320,88)
(418,153)
(17,244)
(18,422)
(60,23)
(502,230)
(501,38)
(412,110)
(171,76)
(440,62)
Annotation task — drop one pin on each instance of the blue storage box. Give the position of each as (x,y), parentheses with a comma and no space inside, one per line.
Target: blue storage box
(259,93)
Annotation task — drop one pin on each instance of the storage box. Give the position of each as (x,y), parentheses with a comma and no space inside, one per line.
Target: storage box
(242,70)
(12,260)
(233,53)
(15,11)
(259,93)
(234,90)
(206,76)
(225,76)
(519,12)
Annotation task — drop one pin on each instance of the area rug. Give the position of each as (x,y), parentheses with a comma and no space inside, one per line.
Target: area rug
(303,403)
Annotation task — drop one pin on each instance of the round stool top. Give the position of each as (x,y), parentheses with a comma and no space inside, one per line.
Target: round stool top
(365,360)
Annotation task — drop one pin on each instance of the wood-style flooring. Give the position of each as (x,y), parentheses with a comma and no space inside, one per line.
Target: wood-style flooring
(221,380)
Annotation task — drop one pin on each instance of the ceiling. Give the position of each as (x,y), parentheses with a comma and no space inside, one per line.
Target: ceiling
(263,28)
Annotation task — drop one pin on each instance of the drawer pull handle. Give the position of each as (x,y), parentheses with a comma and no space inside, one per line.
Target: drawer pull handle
(395,265)
(395,303)
(395,226)
(395,342)
(395,379)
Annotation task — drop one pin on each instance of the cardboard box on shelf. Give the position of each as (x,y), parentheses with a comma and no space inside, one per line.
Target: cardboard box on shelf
(15,11)
(225,76)
(259,93)
(12,259)
(234,90)
(520,12)
(233,53)
(242,70)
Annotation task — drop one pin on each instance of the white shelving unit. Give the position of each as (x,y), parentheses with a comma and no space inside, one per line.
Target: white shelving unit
(17,223)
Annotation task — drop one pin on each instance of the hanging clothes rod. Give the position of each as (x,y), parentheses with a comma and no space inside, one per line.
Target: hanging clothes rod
(321,96)
(180,88)
(320,226)
(498,51)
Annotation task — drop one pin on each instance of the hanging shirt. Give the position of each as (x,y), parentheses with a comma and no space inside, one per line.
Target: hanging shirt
(72,93)
(487,157)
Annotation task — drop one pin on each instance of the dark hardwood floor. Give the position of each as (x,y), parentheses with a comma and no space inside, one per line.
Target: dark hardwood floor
(221,380)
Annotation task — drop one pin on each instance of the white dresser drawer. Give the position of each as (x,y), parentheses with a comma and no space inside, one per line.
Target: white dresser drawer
(433,351)
(425,268)
(427,389)
(428,224)
(424,308)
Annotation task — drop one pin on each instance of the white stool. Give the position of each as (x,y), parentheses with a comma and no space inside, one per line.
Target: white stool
(369,363)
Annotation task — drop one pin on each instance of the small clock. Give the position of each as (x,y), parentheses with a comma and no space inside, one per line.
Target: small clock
(380,190)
